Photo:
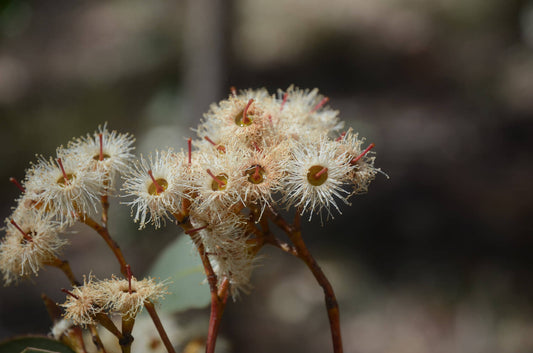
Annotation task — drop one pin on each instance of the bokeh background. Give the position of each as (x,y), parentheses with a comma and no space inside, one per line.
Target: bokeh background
(438,258)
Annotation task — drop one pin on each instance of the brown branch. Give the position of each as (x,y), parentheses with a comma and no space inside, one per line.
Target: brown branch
(294,233)
(64,266)
(157,322)
(104,233)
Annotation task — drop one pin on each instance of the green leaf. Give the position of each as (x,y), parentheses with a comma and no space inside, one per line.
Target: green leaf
(183,266)
(33,344)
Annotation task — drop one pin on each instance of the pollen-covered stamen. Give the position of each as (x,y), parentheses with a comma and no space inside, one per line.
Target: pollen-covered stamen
(129,275)
(70,293)
(219,181)
(191,231)
(220,148)
(25,235)
(340,137)
(189,145)
(320,104)
(64,180)
(353,161)
(285,96)
(17,184)
(317,175)
(158,186)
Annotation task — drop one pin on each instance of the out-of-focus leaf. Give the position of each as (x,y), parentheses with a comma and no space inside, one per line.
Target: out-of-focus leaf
(33,344)
(184,268)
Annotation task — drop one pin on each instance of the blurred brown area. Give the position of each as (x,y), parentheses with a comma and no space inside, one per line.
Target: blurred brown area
(435,259)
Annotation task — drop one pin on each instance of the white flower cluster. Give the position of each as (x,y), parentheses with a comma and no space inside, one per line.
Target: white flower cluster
(254,150)
(56,193)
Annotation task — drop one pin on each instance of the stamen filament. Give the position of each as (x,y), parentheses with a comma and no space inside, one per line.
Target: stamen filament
(353,161)
(25,235)
(285,96)
(191,231)
(319,105)
(70,293)
(245,119)
(65,176)
(101,157)
(322,171)
(159,189)
(17,184)
(233,91)
(189,144)
(220,183)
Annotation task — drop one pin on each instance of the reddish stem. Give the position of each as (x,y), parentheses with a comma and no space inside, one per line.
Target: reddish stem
(341,136)
(218,181)
(101,157)
(17,184)
(25,235)
(320,104)
(324,170)
(192,231)
(158,187)
(189,145)
(65,176)
(129,275)
(70,293)
(353,161)
(245,119)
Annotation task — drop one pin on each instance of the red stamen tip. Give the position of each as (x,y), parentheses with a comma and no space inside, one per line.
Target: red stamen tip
(17,184)
(70,293)
(158,187)
(25,235)
(285,96)
(129,275)
(341,136)
(65,176)
(322,171)
(233,91)
(101,157)
(353,161)
(218,181)
(189,144)
(191,231)
(320,105)
(245,118)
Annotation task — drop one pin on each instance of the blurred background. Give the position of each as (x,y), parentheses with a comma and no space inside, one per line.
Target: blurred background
(438,258)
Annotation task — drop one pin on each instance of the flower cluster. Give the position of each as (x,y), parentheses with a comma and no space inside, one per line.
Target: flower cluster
(125,297)
(56,192)
(254,150)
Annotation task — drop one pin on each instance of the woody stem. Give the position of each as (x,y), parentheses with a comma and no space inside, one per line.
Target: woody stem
(218,295)
(104,233)
(64,266)
(159,326)
(332,307)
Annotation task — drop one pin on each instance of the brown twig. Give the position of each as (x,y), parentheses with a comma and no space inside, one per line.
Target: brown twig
(64,266)
(294,233)
(157,322)
(96,339)
(104,233)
